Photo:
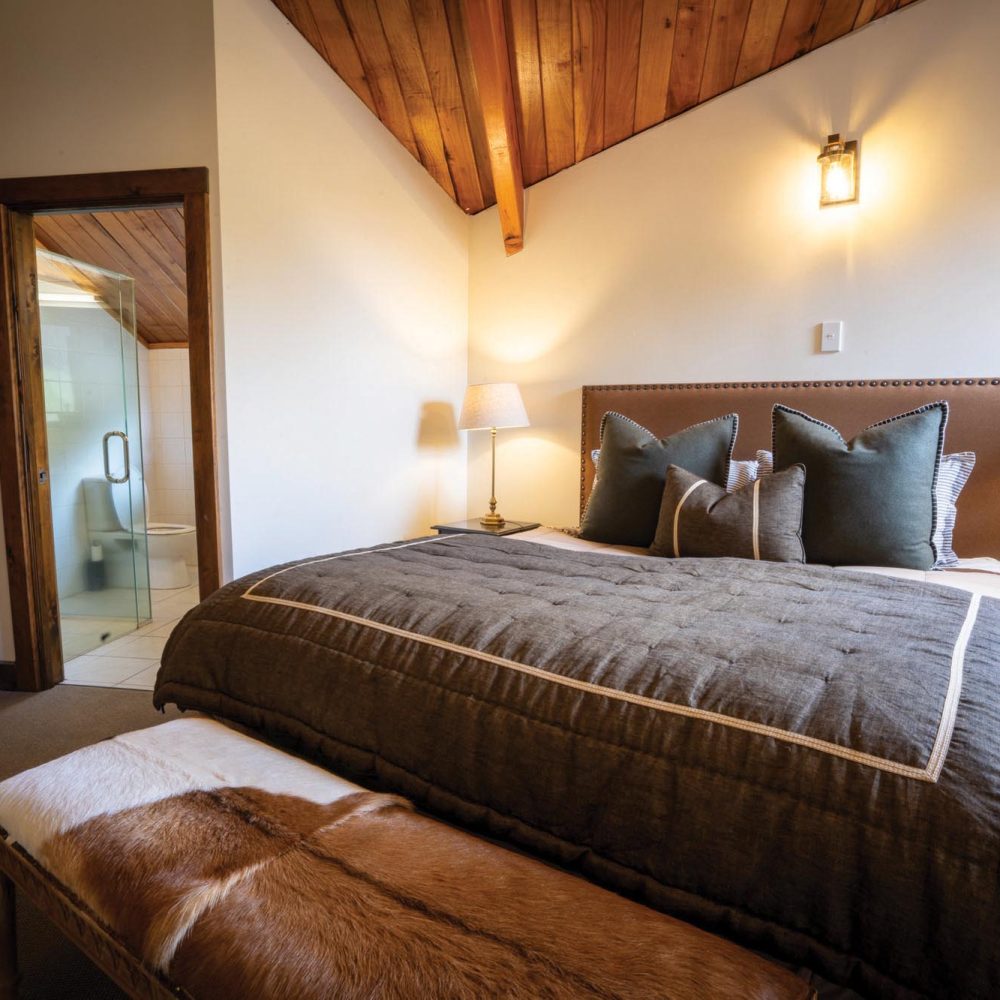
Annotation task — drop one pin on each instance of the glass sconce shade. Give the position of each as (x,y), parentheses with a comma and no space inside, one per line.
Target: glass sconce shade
(838,171)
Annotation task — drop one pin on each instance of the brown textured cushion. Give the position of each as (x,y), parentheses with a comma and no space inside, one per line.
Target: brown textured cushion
(763,520)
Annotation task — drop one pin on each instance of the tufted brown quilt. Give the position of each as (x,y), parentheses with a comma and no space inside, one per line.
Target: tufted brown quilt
(804,759)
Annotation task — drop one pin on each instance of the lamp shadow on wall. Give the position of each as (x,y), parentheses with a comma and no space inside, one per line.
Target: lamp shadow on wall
(437,442)
(437,429)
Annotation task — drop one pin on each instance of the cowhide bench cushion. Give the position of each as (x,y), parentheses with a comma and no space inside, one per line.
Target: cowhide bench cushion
(237,870)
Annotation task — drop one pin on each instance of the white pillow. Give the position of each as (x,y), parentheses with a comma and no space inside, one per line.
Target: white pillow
(953,474)
(741,474)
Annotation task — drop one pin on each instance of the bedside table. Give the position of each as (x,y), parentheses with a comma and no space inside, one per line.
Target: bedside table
(473,527)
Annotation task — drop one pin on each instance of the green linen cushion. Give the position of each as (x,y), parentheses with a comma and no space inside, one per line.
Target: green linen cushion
(624,504)
(869,501)
(761,520)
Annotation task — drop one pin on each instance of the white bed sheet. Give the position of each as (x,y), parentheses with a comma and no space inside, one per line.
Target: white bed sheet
(978,576)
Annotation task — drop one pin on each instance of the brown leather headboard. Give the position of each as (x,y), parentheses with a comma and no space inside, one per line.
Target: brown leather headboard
(973,425)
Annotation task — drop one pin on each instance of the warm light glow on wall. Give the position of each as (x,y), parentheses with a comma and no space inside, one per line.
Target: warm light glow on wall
(838,171)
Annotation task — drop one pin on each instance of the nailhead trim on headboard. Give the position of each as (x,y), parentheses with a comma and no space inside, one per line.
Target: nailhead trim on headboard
(804,384)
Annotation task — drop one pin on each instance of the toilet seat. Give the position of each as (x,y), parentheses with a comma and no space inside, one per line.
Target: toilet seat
(168,545)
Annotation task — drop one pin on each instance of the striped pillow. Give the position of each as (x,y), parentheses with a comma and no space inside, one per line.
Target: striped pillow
(953,474)
(761,521)
(740,474)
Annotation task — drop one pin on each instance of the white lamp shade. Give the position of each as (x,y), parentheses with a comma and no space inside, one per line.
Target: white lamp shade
(493,404)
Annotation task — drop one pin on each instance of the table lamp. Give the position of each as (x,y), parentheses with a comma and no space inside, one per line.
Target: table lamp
(492,405)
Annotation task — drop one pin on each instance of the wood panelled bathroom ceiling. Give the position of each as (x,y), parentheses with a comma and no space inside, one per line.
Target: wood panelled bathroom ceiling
(582,75)
(145,244)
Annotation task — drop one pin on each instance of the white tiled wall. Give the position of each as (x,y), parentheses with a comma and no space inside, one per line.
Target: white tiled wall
(169,468)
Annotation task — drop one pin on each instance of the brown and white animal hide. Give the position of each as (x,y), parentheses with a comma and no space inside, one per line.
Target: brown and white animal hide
(237,892)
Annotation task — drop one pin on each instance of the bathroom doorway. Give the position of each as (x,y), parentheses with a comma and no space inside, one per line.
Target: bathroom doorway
(117,415)
(74,217)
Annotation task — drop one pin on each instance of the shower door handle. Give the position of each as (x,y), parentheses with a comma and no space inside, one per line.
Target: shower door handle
(107,463)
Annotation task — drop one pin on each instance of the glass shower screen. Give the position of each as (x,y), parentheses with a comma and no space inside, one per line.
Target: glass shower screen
(90,363)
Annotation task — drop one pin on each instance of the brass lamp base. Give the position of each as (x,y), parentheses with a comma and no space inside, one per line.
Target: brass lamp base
(492,519)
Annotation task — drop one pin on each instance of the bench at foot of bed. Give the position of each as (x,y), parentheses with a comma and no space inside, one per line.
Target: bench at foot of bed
(189,860)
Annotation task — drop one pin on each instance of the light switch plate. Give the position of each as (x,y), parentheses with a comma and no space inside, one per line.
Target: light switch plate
(832,336)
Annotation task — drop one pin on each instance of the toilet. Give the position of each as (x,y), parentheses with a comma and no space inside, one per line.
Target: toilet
(170,547)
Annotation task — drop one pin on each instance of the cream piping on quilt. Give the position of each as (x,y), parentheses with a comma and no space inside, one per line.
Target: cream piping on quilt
(940,750)
(677,514)
(756,520)
(340,555)
(929,772)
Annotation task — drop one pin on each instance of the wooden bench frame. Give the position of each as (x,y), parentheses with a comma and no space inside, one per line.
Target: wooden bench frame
(18,871)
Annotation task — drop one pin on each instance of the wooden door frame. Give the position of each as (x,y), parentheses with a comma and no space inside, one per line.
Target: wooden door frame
(27,518)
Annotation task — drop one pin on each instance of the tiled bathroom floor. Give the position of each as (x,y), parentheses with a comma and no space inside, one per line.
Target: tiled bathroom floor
(82,629)
(132,660)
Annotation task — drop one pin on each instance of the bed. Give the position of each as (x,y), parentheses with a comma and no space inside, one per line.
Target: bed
(803,759)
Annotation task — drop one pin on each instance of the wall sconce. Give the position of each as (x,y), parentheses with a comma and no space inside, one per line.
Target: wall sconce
(838,171)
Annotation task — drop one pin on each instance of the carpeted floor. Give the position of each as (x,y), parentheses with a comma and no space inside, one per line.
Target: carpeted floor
(35,728)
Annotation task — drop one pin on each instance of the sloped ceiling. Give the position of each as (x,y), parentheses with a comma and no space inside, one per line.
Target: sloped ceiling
(145,244)
(583,74)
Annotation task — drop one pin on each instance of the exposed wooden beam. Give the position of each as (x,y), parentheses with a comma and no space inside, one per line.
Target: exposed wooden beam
(171,345)
(488,44)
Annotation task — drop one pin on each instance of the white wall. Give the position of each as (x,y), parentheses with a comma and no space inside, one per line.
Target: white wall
(106,85)
(346,309)
(697,251)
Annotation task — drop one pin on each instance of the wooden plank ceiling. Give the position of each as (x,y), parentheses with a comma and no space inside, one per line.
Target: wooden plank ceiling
(145,244)
(585,74)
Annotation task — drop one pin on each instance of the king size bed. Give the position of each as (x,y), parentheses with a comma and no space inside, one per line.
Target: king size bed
(802,758)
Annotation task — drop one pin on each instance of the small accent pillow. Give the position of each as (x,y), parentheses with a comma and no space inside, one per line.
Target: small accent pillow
(625,501)
(870,501)
(763,520)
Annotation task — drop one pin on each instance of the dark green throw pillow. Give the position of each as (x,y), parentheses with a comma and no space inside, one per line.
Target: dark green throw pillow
(624,504)
(869,501)
(761,520)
